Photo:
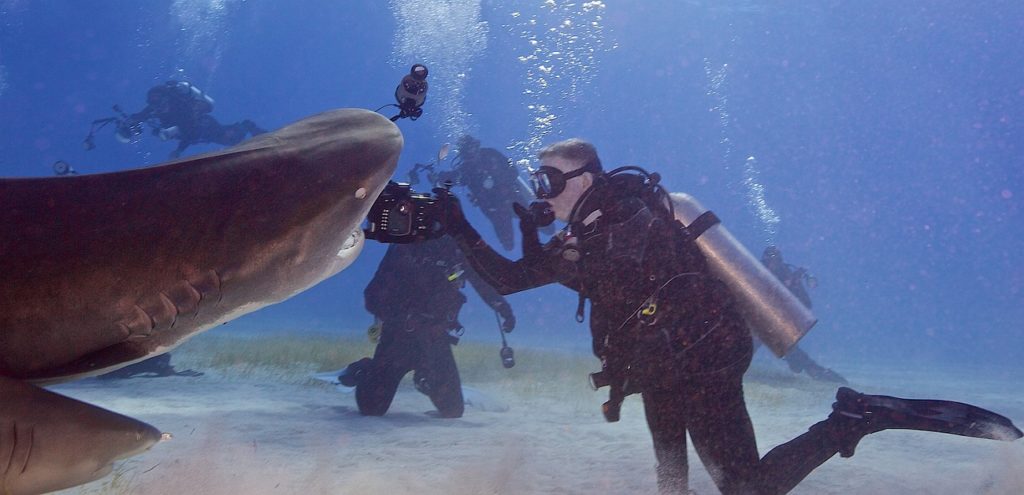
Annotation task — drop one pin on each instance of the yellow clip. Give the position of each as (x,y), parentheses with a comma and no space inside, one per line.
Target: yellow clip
(454,276)
(649,310)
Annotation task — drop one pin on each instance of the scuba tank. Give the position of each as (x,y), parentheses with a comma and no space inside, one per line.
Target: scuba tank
(774,314)
(203,102)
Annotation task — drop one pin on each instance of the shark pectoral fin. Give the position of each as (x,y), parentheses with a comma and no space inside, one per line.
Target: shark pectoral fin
(49,441)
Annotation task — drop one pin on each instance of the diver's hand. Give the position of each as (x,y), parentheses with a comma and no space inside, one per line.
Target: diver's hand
(538,214)
(508,320)
(528,227)
(527,222)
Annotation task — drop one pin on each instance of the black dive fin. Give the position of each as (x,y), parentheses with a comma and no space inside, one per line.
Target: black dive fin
(883,412)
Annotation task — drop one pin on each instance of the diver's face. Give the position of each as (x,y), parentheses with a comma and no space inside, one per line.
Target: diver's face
(562,204)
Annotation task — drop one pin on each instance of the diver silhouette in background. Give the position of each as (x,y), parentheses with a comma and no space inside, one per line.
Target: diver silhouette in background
(175,110)
(491,180)
(793,278)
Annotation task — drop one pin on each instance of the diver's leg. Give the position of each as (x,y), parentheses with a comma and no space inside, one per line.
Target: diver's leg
(232,134)
(252,128)
(786,465)
(856,415)
(437,376)
(378,381)
(182,144)
(721,430)
(799,361)
(666,419)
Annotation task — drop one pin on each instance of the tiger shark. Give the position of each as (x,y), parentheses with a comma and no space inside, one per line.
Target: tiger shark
(101,271)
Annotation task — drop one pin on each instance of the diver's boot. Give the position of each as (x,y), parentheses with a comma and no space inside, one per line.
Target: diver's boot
(350,376)
(855,414)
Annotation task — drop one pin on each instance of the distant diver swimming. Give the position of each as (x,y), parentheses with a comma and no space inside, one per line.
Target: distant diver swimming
(794,278)
(175,110)
(491,180)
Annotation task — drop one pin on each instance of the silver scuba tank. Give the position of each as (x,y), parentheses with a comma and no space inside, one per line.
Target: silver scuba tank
(774,314)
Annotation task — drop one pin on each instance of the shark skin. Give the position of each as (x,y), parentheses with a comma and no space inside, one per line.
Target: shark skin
(101,271)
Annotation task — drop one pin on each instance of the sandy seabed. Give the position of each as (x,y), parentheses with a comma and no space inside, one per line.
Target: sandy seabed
(258,432)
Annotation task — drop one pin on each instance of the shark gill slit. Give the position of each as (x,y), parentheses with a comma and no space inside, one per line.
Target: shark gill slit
(177,311)
(194,296)
(31,443)
(152,322)
(13,442)
(220,291)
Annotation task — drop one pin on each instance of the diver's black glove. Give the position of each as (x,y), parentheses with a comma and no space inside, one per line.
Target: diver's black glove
(529,218)
(538,214)
(508,320)
(526,219)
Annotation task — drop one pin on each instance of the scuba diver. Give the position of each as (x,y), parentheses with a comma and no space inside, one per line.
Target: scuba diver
(794,278)
(664,326)
(415,297)
(492,182)
(153,367)
(175,110)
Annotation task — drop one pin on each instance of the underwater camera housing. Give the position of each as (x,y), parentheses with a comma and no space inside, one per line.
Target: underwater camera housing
(401,215)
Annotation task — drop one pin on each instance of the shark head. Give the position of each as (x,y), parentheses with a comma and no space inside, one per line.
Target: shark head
(105,270)
(108,269)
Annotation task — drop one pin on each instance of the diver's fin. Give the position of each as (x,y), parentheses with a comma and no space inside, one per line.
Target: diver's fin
(882,412)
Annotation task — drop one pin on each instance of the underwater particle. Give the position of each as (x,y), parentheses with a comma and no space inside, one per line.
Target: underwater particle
(563,42)
(1006,194)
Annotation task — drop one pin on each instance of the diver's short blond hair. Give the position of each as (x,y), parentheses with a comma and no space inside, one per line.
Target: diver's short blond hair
(575,149)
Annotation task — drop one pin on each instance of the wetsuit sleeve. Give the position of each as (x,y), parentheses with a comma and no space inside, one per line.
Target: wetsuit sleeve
(504,275)
(142,115)
(490,296)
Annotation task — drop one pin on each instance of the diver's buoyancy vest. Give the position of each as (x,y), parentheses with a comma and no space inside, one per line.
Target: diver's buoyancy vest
(703,245)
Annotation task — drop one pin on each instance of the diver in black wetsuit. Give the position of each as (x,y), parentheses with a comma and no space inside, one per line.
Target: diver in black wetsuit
(793,278)
(416,297)
(664,327)
(491,179)
(177,110)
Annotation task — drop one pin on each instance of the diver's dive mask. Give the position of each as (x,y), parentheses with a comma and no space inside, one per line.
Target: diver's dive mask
(548,182)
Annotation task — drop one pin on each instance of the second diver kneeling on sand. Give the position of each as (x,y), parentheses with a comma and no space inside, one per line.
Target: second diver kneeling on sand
(415,298)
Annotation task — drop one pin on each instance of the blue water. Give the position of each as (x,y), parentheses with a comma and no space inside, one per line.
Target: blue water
(886,136)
